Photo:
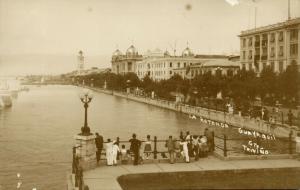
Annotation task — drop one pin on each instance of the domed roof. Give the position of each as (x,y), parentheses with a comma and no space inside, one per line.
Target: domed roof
(187,52)
(166,53)
(131,50)
(117,53)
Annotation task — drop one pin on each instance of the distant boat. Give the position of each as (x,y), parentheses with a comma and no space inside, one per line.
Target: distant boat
(6,98)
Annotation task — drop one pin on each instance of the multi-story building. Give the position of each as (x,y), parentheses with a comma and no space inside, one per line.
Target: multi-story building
(274,45)
(122,64)
(160,66)
(219,66)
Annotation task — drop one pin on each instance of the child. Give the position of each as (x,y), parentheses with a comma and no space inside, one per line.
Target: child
(147,149)
(185,152)
(124,155)
(115,150)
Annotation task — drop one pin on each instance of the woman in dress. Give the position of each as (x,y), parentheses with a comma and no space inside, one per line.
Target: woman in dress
(109,152)
(147,148)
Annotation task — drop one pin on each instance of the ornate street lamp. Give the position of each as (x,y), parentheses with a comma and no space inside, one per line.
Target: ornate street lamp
(86,97)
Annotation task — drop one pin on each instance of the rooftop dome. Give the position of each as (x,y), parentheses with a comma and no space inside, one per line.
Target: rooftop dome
(117,53)
(131,50)
(166,53)
(187,52)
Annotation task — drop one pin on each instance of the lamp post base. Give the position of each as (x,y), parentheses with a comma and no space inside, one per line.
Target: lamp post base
(86,151)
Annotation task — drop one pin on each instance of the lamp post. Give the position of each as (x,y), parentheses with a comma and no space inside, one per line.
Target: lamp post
(128,86)
(86,98)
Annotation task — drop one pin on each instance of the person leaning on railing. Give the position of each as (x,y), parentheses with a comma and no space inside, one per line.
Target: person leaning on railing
(170,144)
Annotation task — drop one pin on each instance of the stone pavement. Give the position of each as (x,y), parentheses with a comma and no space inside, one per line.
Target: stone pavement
(105,177)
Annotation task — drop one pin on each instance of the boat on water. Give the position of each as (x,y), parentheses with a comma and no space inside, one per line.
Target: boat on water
(5,96)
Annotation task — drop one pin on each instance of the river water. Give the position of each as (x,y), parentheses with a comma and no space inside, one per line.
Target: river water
(37,132)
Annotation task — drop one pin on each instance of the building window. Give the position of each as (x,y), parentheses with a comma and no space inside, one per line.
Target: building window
(244,55)
(280,38)
(264,64)
(280,66)
(178,64)
(170,64)
(250,42)
(272,39)
(250,54)
(294,49)
(280,51)
(272,65)
(244,42)
(294,34)
(218,72)
(184,64)
(272,52)
(170,72)
(243,66)
(250,66)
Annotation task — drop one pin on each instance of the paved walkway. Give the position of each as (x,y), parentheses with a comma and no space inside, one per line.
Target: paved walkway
(105,177)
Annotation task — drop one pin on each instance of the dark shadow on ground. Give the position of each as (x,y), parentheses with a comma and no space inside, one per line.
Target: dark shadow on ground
(285,178)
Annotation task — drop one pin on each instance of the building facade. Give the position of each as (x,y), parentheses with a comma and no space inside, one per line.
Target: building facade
(274,45)
(161,66)
(122,64)
(220,67)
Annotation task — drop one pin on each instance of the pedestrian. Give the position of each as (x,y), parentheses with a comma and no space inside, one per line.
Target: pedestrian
(147,148)
(185,152)
(196,146)
(124,155)
(99,146)
(190,147)
(290,117)
(297,139)
(210,139)
(171,148)
(187,136)
(134,148)
(203,146)
(115,151)
(181,135)
(177,148)
(109,152)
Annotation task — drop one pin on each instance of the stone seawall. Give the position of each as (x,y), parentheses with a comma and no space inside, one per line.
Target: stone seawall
(209,116)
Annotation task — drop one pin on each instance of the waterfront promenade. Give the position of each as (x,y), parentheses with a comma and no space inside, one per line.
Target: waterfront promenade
(233,120)
(105,177)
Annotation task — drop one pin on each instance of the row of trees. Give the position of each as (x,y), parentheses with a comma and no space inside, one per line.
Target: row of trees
(244,88)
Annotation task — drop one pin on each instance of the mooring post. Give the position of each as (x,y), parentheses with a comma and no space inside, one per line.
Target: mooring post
(155,147)
(225,145)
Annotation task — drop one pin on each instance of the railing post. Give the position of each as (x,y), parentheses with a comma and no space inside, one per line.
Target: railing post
(290,142)
(213,141)
(76,172)
(80,176)
(74,160)
(155,147)
(225,145)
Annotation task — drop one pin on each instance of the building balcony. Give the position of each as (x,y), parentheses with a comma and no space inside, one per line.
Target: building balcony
(264,57)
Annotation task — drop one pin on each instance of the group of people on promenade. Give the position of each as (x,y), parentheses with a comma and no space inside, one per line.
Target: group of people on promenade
(185,147)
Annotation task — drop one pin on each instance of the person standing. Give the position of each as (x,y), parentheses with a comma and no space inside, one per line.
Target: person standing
(196,147)
(99,146)
(147,148)
(210,139)
(185,151)
(134,148)
(171,148)
(290,117)
(109,152)
(115,151)
(188,136)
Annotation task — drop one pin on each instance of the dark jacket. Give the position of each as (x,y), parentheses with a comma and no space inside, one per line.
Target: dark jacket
(99,142)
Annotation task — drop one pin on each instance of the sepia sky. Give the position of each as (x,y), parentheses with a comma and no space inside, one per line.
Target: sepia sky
(44,36)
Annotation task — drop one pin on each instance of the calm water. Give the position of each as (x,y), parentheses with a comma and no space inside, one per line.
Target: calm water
(37,133)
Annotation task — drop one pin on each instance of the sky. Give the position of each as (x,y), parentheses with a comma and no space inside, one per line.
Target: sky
(44,36)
